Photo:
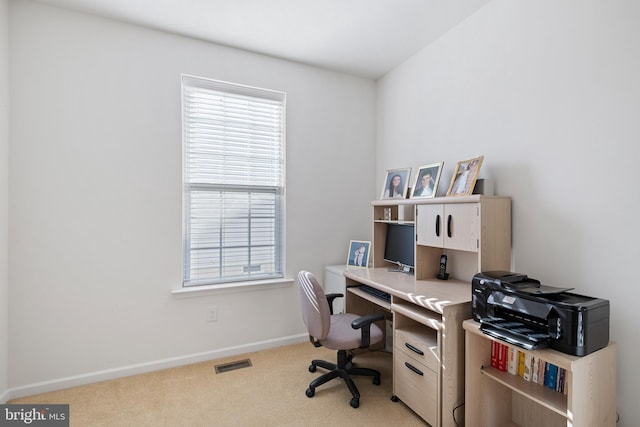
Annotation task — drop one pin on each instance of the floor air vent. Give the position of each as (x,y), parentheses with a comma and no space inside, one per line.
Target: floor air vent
(239,364)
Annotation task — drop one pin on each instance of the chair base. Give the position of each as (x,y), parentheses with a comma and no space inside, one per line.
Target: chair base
(343,369)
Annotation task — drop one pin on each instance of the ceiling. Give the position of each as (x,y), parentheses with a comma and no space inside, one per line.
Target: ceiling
(362,37)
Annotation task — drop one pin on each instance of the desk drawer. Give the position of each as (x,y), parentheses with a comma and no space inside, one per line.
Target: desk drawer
(416,385)
(419,343)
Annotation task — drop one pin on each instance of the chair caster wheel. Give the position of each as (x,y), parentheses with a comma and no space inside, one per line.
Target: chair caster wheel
(394,398)
(310,392)
(376,380)
(312,368)
(355,402)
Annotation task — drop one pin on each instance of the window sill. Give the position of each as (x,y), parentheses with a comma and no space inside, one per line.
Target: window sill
(197,291)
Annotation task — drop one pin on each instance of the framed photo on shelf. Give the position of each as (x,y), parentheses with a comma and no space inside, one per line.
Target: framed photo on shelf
(358,253)
(396,182)
(464,177)
(425,183)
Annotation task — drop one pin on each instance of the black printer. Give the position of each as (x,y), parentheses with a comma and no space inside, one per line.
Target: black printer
(521,311)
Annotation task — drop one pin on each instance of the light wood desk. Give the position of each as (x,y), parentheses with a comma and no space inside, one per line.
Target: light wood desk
(428,349)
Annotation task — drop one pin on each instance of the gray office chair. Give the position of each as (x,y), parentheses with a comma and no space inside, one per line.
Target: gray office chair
(342,332)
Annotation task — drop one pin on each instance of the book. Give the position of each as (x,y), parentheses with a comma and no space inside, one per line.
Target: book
(502,357)
(520,363)
(512,362)
(550,376)
(494,353)
(528,359)
(535,369)
(541,366)
(560,383)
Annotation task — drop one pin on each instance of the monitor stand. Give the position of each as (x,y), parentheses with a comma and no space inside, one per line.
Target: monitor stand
(402,269)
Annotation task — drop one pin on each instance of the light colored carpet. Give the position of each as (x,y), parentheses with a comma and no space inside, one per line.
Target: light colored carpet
(269,393)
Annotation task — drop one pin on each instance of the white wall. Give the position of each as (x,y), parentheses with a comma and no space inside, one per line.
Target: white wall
(95,197)
(546,90)
(549,92)
(4,177)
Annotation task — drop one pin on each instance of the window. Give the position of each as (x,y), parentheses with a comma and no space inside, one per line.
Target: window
(233,162)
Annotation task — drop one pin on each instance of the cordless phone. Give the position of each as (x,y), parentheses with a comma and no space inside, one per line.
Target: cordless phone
(442,272)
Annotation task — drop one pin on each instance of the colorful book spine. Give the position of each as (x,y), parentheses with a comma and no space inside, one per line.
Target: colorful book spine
(561,380)
(541,366)
(551,376)
(494,353)
(527,367)
(512,362)
(520,363)
(535,366)
(502,357)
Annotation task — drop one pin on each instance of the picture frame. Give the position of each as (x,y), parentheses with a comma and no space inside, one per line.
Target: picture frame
(396,183)
(465,176)
(426,180)
(358,255)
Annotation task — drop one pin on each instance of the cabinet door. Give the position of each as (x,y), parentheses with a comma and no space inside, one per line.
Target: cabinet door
(430,225)
(462,226)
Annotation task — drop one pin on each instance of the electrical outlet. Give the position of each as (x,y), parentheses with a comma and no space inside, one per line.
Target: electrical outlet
(212,313)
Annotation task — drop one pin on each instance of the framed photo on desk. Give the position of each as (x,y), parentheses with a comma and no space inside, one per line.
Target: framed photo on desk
(358,253)
(464,177)
(396,183)
(425,183)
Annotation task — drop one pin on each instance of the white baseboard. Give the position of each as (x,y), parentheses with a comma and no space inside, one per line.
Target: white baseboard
(141,368)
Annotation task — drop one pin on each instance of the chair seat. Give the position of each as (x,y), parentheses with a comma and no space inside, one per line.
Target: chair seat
(343,337)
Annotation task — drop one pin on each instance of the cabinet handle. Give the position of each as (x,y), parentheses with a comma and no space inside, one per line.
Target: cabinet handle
(437,225)
(414,349)
(449,225)
(413,368)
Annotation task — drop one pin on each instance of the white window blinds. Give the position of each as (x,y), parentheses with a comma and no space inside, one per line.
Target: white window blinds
(233,140)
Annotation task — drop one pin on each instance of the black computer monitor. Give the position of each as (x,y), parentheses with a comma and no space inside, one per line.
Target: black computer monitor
(400,246)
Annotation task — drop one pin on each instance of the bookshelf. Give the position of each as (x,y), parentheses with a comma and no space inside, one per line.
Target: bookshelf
(497,397)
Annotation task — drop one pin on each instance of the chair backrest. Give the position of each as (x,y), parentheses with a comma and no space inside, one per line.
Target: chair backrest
(315,308)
